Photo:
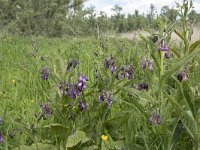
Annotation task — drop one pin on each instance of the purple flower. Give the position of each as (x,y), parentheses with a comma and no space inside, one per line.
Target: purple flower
(147,63)
(107,63)
(164,46)
(101,97)
(46,109)
(73,90)
(126,71)
(110,63)
(82,106)
(45,73)
(150,65)
(142,86)
(81,84)
(182,76)
(113,68)
(154,118)
(1,139)
(107,97)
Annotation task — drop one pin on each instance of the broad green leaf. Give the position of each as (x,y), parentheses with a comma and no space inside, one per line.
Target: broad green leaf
(114,124)
(56,129)
(78,137)
(194,46)
(180,63)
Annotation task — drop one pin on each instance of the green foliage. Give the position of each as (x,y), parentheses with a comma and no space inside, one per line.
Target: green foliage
(136,97)
(57,18)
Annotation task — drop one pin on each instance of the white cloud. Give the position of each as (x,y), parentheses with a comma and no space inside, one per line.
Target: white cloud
(129,6)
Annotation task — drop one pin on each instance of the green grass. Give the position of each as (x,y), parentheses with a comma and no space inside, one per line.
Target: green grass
(126,124)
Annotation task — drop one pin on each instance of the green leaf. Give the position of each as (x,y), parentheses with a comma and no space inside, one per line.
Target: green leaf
(180,63)
(36,146)
(114,124)
(185,89)
(193,46)
(175,52)
(190,124)
(179,34)
(78,137)
(56,129)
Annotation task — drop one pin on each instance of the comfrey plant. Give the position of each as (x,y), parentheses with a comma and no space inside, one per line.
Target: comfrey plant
(147,64)
(106,96)
(126,71)
(172,87)
(114,110)
(73,90)
(44,73)
(109,63)
(154,118)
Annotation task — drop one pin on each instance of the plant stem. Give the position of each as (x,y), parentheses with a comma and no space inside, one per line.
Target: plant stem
(161,63)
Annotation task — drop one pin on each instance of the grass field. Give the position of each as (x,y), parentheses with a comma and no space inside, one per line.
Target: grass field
(106,93)
(102,93)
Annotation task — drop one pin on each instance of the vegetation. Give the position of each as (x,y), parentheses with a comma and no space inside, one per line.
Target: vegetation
(57,18)
(101,93)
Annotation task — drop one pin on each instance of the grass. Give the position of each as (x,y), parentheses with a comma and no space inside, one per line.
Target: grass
(155,109)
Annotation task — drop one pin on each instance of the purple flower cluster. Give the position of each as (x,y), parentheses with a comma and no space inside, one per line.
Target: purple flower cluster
(107,97)
(182,76)
(44,73)
(142,86)
(110,63)
(46,110)
(147,63)
(154,118)
(165,48)
(73,90)
(126,71)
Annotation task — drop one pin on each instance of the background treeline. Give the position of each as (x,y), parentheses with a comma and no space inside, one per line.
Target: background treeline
(56,18)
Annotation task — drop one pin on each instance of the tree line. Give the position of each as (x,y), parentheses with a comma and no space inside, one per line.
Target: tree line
(57,18)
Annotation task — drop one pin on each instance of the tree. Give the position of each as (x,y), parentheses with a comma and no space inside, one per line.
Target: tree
(169,13)
(117,9)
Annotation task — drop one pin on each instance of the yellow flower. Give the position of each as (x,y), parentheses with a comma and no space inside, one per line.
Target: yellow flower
(104,138)
(13,81)
(32,101)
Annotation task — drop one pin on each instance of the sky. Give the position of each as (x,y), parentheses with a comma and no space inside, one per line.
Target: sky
(130,5)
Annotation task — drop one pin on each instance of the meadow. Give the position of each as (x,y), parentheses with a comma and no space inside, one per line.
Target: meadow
(101,93)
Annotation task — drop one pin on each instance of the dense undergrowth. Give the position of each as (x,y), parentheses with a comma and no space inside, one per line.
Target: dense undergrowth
(101,93)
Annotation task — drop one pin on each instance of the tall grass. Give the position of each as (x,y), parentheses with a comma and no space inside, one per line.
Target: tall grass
(121,94)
